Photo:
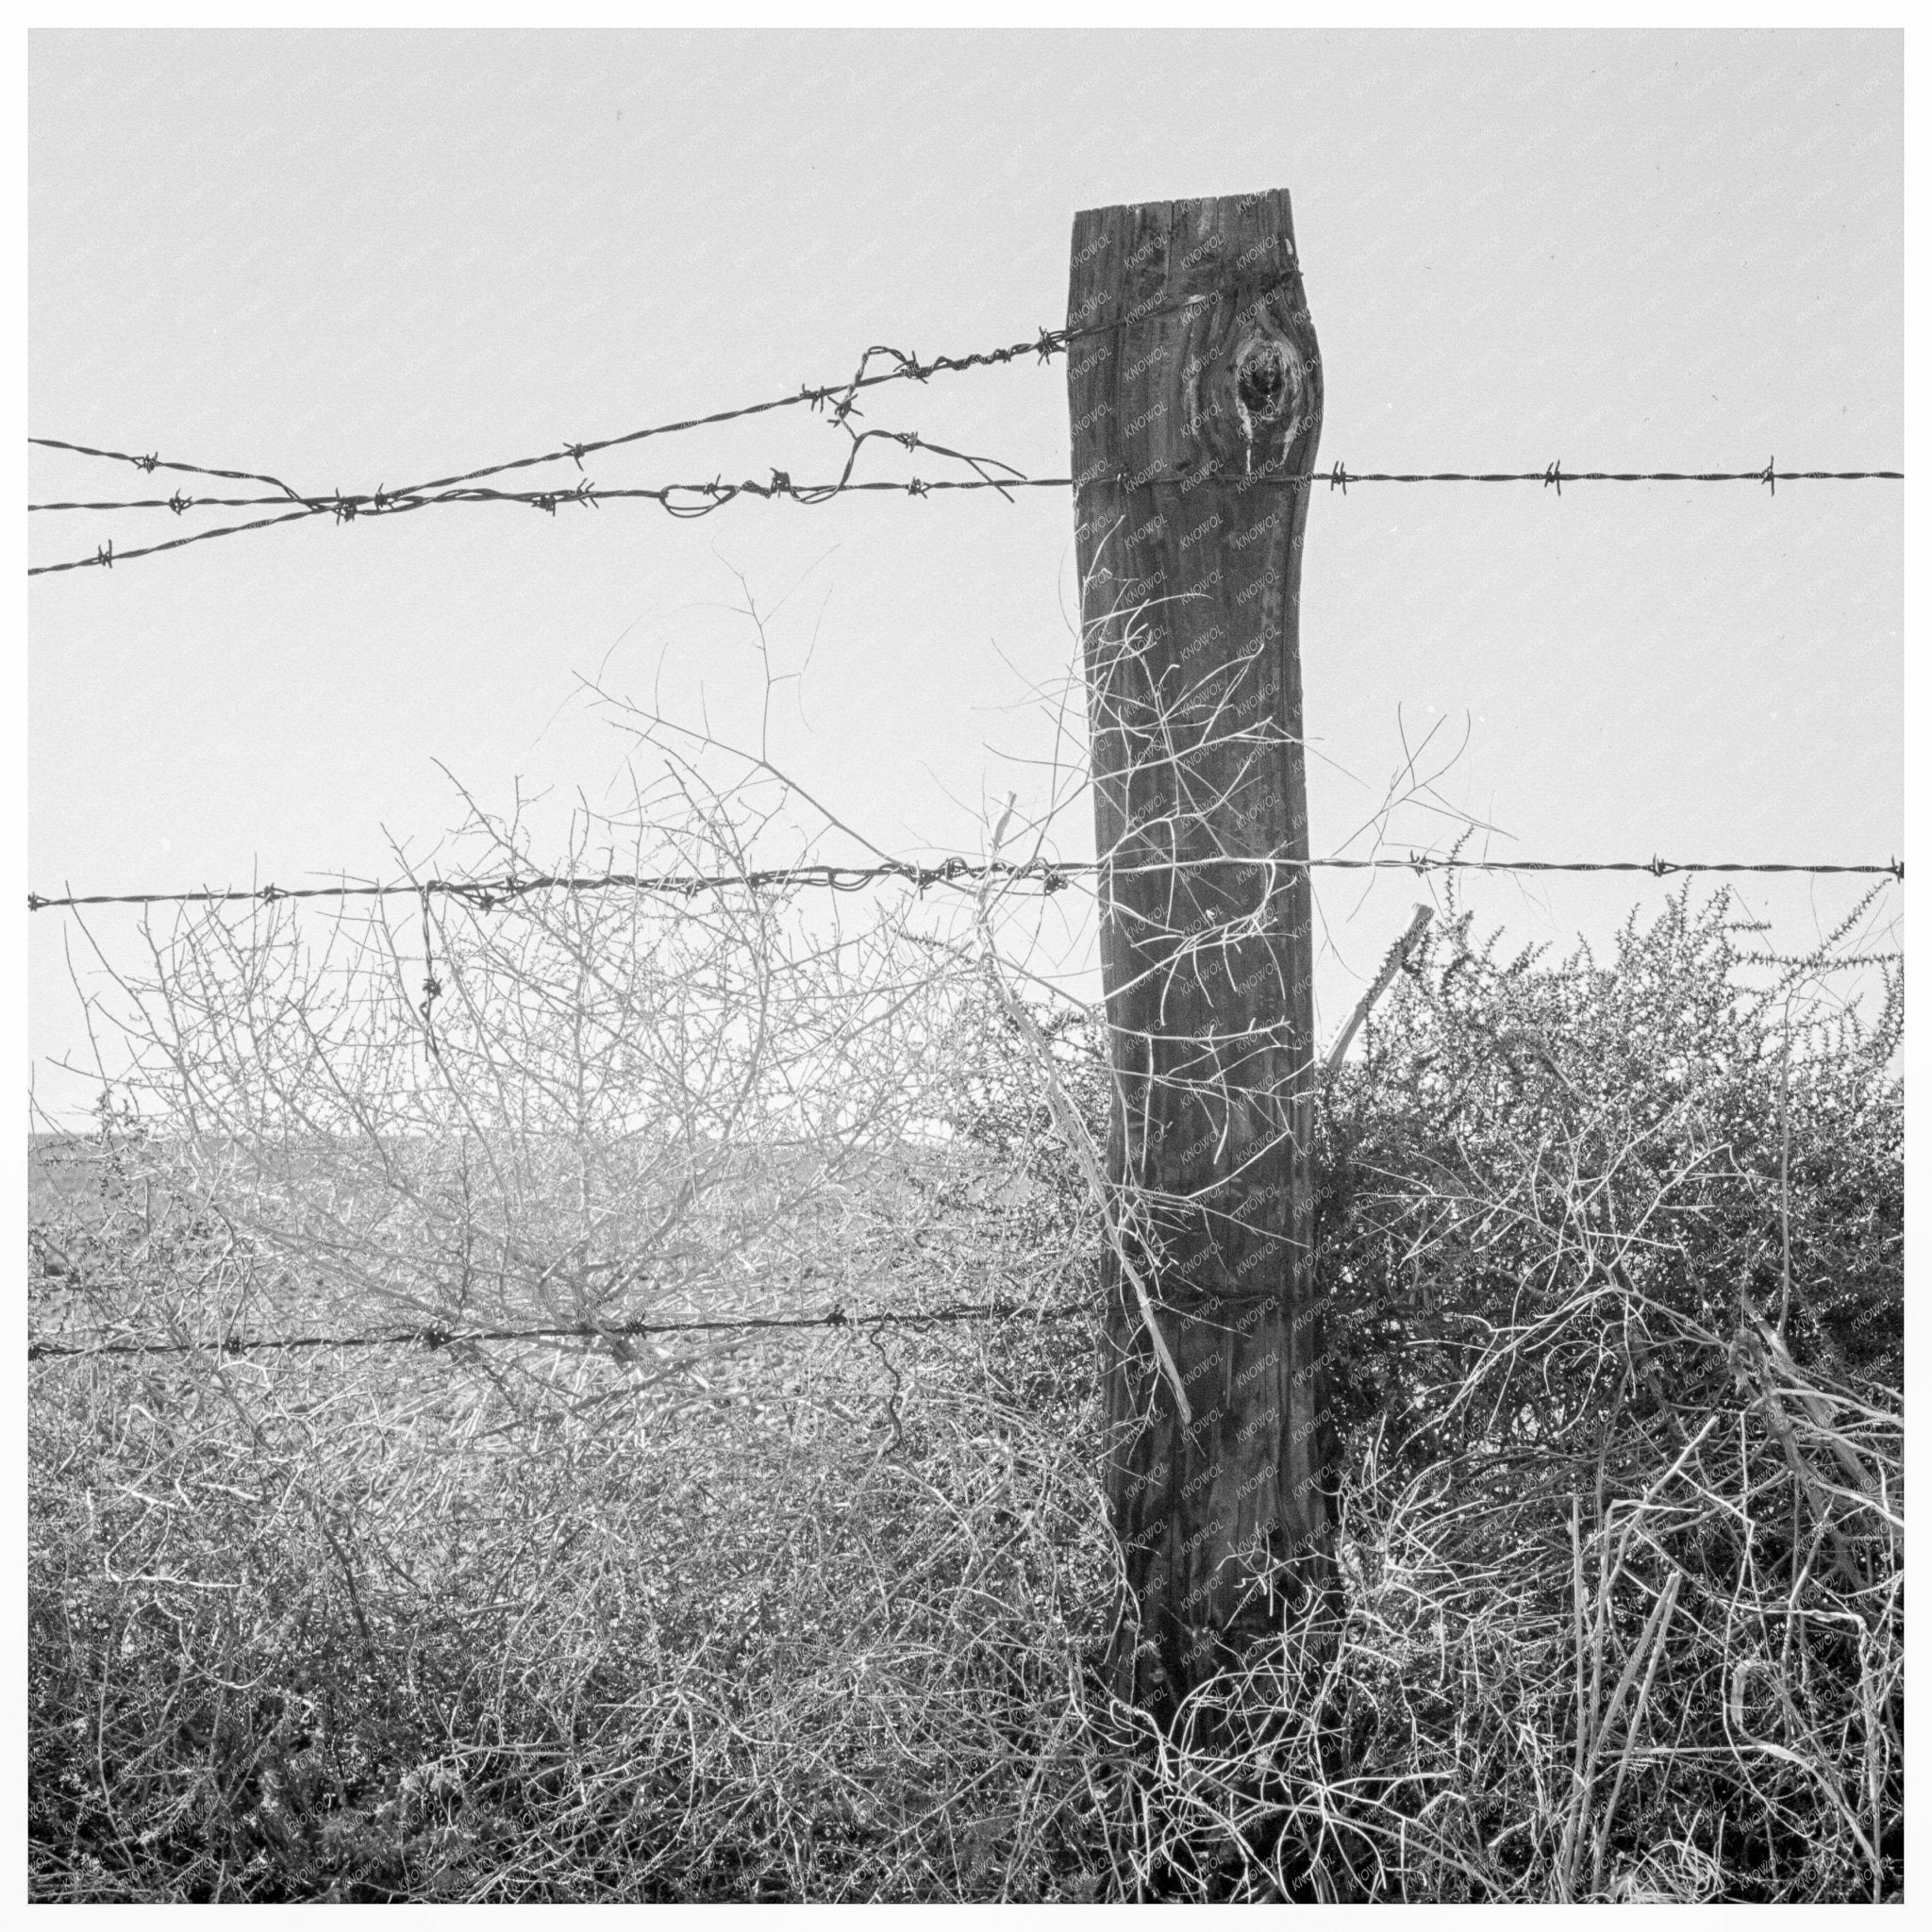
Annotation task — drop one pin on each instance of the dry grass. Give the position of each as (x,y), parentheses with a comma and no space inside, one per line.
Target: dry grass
(315,1629)
(1616,1611)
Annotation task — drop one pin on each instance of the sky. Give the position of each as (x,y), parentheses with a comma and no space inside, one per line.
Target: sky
(354,259)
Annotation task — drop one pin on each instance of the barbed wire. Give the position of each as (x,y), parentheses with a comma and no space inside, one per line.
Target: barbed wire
(106,556)
(149,464)
(684,500)
(707,496)
(1554,476)
(840,400)
(1052,876)
(1338,476)
(835,397)
(433,1339)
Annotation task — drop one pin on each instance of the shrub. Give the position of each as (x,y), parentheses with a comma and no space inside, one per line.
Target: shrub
(1617,1610)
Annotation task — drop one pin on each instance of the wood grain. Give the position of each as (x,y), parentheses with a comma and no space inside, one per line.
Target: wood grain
(1195,400)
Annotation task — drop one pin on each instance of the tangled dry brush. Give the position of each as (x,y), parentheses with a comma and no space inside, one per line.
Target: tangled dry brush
(1611,1256)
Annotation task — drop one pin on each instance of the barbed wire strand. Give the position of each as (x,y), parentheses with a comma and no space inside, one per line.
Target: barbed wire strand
(435,1339)
(149,464)
(839,397)
(702,499)
(1053,874)
(382,503)
(106,556)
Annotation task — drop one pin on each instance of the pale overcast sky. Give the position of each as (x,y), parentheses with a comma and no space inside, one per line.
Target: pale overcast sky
(354,259)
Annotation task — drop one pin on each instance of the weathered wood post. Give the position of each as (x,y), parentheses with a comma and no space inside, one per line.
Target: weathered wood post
(1195,390)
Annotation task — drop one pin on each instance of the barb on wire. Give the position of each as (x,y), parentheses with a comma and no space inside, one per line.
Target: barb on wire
(1052,876)
(437,1338)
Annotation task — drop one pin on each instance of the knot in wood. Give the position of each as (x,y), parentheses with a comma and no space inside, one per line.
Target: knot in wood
(1262,382)
(1258,396)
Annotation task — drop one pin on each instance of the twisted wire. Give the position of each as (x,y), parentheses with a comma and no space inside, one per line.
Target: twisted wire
(840,401)
(702,499)
(1052,874)
(435,1339)
(716,493)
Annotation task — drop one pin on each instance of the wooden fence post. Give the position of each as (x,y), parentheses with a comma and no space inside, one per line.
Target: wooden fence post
(1196,391)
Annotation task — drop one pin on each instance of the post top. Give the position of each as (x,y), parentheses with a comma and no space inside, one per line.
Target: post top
(1137,256)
